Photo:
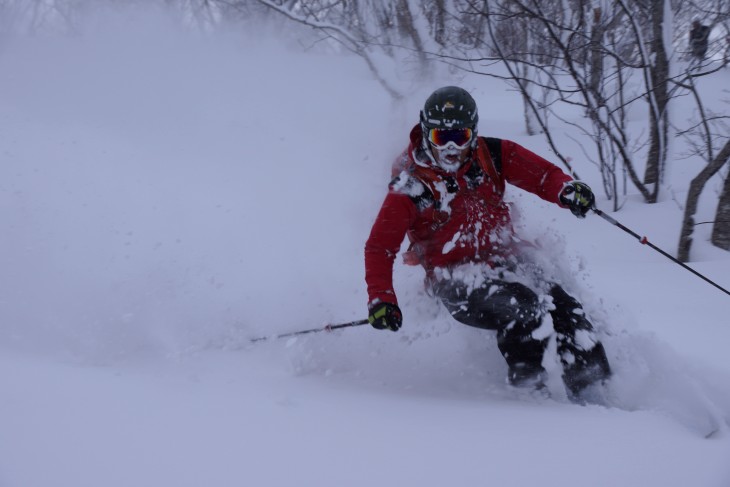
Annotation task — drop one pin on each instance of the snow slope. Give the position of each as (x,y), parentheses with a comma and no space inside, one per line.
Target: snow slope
(164,198)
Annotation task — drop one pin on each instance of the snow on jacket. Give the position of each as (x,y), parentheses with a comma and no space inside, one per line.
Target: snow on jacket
(452,219)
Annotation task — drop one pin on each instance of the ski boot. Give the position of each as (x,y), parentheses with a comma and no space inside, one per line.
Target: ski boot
(526,376)
(590,368)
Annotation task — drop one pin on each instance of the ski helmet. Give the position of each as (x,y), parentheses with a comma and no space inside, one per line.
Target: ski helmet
(449,107)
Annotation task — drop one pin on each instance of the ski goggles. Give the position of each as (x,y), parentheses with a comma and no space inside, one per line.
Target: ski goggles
(459,138)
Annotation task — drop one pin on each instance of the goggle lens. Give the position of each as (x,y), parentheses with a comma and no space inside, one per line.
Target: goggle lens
(441,137)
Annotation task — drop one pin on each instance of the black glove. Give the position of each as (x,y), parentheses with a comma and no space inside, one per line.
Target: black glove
(578,197)
(385,316)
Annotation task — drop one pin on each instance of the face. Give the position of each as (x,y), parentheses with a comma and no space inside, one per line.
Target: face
(450,159)
(450,147)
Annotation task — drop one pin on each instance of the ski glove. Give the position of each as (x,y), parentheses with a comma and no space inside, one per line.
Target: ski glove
(385,316)
(578,197)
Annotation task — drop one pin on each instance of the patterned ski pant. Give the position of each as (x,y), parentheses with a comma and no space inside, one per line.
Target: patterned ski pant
(514,311)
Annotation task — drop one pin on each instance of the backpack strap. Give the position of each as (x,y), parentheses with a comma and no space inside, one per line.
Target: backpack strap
(414,186)
(495,150)
(427,177)
(489,157)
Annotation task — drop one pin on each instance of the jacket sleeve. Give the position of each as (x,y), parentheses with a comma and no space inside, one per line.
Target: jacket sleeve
(396,215)
(530,172)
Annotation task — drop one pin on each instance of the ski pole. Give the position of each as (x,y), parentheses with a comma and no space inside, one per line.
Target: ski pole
(645,241)
(313,330)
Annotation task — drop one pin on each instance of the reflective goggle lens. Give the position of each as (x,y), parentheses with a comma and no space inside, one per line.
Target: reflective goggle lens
(441,137)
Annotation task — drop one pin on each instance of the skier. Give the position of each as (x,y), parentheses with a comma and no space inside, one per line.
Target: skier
(448,198)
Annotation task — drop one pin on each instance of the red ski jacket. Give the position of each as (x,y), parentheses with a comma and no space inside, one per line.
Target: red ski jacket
(452,219)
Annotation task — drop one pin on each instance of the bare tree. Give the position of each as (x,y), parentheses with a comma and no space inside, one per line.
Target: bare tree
(705,136)
(344,23)
(34,16)
(203,15)
(583,56)
(657,78)
(721,235)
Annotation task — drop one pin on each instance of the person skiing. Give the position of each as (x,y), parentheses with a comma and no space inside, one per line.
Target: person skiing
(447,197)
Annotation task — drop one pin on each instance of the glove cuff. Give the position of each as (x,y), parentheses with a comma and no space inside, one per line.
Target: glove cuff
(561,197)
(376,301)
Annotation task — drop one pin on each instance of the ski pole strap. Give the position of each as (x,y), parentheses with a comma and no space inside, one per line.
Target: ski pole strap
(645,241)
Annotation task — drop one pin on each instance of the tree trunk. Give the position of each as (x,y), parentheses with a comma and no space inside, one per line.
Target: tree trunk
(596,57)
(695,189)
(531,124)
(438,22)
(407,28)
(659,101)
(721,228)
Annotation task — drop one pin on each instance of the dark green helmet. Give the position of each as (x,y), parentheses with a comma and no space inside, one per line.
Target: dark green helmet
(449,107)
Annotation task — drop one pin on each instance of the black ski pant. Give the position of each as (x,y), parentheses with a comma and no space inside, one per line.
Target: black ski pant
(513,310)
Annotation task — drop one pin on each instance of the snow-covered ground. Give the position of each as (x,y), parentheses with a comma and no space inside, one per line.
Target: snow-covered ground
(165,198)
